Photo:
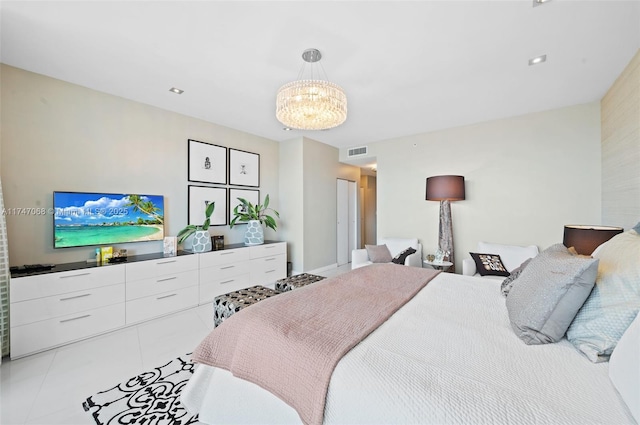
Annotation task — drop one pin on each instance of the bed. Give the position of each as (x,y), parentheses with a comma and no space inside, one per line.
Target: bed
(447,356)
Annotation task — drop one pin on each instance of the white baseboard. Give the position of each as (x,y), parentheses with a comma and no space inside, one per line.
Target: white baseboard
(324,269)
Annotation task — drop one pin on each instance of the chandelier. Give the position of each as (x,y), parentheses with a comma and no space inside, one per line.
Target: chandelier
(311,104)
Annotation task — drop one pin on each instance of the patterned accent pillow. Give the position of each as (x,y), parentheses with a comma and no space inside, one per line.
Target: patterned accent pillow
(615,300)
(489,264)
(378,253)
(402,256)
(507,284)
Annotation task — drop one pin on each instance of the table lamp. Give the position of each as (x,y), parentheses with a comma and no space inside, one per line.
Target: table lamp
(585,239)
(446,189)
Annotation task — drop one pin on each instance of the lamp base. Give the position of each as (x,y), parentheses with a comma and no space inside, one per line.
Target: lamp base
(445,233)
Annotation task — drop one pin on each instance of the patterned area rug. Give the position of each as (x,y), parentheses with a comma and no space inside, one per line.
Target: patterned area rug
(151,398)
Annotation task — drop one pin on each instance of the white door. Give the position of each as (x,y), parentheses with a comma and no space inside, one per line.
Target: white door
(342,222)
(347,220)
(353,217)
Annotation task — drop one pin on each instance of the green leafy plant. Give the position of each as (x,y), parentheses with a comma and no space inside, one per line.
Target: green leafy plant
(247,211)
(192,228)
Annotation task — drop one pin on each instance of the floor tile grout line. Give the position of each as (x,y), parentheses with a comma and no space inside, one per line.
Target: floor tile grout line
(44,379)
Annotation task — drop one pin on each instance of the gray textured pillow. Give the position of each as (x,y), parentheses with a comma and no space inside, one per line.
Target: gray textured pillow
(549,293)
(507,284)
(615,299)
(378,253)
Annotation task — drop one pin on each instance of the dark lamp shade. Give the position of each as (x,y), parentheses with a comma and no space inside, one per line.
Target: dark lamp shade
(585,239)
(445,188)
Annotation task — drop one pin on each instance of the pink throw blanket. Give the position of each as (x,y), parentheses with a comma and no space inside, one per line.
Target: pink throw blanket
(290,344)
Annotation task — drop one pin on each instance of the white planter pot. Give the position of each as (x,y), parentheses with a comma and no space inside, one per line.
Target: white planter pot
(200,241)
(254,234)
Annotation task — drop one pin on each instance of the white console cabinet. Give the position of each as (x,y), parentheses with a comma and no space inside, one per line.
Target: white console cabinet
(52,309)
(76,301)
(161,286)
(268,263)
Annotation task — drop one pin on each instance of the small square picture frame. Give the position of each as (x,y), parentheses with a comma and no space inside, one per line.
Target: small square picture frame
(199,197)
(251,195)
(207,163)
(244,168)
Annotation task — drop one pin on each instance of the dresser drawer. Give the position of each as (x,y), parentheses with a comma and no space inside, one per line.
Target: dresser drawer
(268,269)
(46,334)
(158,285)
(161,267)
(212,288)
(266,250)
(215,258)
(46,285)
(224,271)
(157,305)
(47,308)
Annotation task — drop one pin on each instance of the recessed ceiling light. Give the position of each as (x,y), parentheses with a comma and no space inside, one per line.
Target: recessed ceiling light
(176,91)
(540,2)
(537,60)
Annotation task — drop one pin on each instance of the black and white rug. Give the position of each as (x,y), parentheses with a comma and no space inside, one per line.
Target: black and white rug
(151,398)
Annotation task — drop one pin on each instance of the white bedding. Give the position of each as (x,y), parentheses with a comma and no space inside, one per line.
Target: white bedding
(449,356)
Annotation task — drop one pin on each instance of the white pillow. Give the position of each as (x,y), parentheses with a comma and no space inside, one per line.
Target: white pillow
(624,368)
(512,256)
(614,301)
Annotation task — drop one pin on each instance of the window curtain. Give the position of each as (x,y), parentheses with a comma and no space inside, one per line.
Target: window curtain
(4,280)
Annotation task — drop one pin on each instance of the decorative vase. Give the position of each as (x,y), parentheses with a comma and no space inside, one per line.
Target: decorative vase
(254,234)
(200,241)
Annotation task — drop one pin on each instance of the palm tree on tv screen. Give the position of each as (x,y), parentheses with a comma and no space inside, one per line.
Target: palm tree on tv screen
(146,207)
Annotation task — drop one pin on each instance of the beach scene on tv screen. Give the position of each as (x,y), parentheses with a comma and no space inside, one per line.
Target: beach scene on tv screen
(83,219)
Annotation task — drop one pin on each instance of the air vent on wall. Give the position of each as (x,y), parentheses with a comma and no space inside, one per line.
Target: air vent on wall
(358,151)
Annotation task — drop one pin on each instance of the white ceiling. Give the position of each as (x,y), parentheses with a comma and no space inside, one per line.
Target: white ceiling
(407,67)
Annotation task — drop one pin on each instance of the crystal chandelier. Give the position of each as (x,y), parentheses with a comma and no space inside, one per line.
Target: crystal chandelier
(311,104)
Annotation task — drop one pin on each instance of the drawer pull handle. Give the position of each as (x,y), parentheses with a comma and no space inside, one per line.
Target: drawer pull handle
(269,247)
(227,253)
(228,281)
(166,262)
(75,275)
(228,267)
(166,296)
(75,318)
(166,278)
(269,259)
(270,271)
(73,298)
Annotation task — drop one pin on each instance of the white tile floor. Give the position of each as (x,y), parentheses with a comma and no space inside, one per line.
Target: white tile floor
(49,388)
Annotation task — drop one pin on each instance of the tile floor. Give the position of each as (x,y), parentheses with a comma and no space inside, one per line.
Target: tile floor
(49,388)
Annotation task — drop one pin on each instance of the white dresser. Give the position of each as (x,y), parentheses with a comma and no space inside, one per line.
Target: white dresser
(52,309)
(162,286)
(77,300)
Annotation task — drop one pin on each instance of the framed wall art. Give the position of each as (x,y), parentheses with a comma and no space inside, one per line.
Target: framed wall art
(207,163)
(200,197)
(244,168)
(251,195)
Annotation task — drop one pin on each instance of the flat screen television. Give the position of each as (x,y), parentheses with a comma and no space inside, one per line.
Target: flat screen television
(85,219)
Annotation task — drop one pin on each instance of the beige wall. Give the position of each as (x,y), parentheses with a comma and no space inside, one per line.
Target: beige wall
(308,186)
(621,149)
(525,178)
(292,194)
(60,136)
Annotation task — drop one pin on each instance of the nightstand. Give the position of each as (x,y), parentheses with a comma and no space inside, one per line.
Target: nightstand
(442,265)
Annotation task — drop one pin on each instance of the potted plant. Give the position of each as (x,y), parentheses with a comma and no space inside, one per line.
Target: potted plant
(255,216)
(197,238)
